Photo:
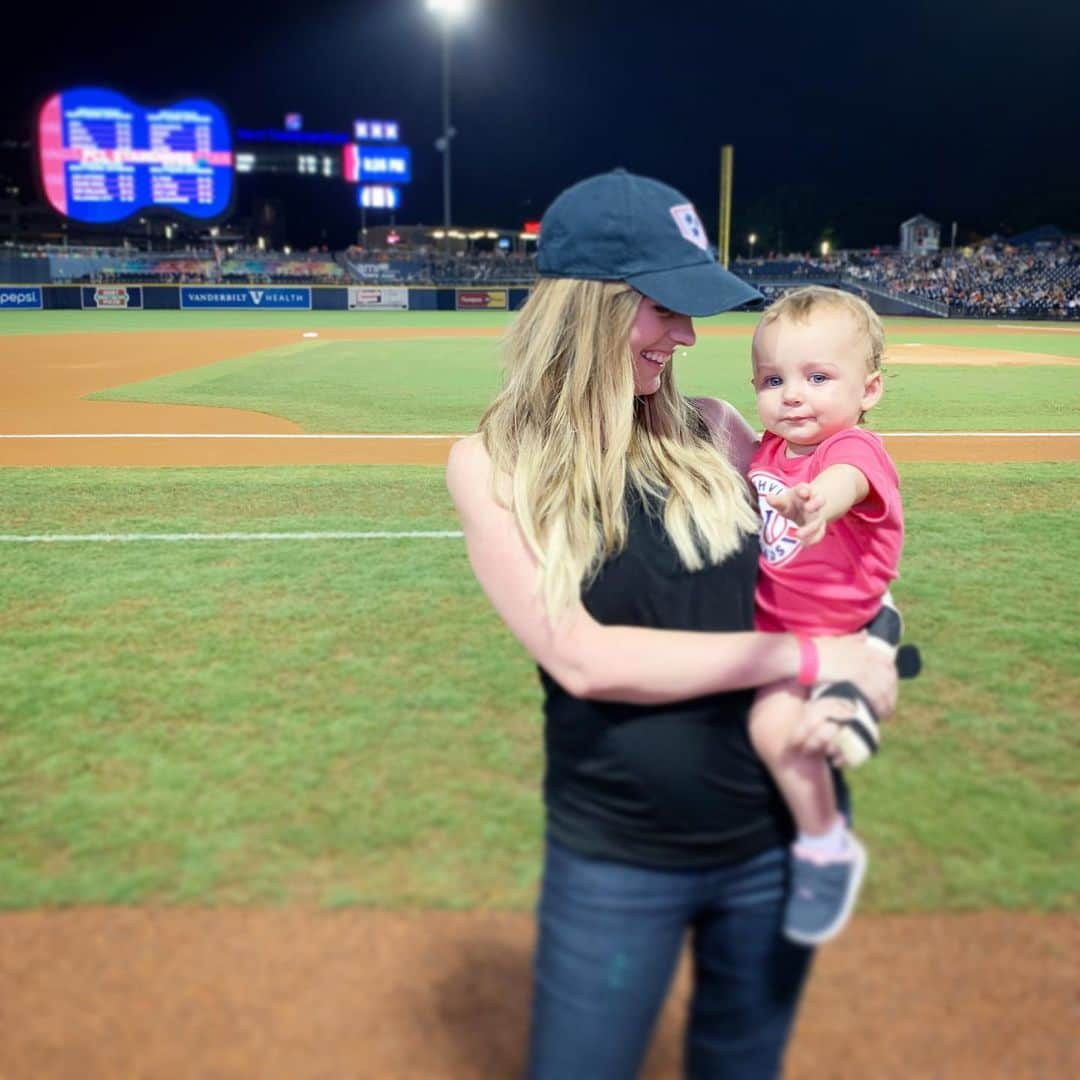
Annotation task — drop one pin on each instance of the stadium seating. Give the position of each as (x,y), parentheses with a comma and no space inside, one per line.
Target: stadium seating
(1038,279)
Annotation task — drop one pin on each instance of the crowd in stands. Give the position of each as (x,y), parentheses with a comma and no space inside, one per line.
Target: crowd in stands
(239,266)
(994,279)
(427,266)
(263,268)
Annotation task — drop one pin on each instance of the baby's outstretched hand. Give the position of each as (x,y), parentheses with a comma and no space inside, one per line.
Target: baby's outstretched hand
(805,509)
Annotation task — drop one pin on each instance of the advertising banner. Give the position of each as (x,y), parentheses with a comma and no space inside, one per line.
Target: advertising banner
(274,297)
(386,297)
(481,300)
(20,296)
(111,297)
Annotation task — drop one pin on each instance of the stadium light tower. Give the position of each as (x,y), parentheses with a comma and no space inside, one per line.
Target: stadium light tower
(448,12)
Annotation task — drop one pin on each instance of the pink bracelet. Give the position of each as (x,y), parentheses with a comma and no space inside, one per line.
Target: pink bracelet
(809,661)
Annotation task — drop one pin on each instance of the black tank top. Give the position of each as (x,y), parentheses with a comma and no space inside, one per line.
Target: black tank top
(676,786)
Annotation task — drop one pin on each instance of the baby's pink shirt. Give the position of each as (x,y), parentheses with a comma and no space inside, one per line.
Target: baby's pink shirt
(836,585)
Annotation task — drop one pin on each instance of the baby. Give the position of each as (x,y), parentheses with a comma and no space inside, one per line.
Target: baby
(831,538)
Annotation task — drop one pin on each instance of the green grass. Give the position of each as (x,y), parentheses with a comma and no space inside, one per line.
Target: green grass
(347,722)
(444,384)
(434,385)
(113,322)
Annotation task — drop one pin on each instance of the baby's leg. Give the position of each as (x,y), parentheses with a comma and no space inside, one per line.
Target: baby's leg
(827,862)
(859,736)
(804,779)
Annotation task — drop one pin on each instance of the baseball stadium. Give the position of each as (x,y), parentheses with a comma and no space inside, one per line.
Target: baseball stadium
(271,799)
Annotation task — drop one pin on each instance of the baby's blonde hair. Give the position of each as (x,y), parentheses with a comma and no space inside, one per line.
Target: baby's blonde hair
(799,304)
(574,439)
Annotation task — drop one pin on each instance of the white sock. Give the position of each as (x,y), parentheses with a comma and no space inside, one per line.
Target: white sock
(832,842)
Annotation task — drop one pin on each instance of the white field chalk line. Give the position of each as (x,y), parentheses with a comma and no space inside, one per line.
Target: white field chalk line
(179,538)
(1039,329)
(212,435)
(978,434)
(215,435)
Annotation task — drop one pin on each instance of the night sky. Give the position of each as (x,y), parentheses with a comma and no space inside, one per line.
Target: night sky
(850,116)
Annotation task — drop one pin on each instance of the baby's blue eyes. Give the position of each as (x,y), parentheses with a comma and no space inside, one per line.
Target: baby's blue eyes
(772,381)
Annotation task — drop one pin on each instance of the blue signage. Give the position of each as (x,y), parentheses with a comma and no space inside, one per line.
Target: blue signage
(19,296)
(375,130)
(378,197)
(273,297)
(387,164)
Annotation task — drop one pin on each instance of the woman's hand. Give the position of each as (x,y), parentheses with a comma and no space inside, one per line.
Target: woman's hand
(857,658)
(819,725)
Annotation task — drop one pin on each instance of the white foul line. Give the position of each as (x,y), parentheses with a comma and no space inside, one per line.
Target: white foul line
(214,435)
(208,435)
(175,538)
(977,434)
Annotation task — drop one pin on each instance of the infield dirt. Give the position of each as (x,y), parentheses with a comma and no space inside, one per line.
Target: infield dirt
(101,993)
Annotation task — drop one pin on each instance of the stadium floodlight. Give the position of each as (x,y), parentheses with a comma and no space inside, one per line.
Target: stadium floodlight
(753,240)
(448,12)
(449,9)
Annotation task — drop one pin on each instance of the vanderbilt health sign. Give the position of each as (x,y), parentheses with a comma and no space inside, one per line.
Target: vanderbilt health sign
(272,297)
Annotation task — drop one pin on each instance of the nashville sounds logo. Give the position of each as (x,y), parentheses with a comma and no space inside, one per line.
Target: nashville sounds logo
(690,226)
(778,543)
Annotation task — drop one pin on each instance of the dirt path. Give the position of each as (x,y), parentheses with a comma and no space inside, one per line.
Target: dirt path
(300,994)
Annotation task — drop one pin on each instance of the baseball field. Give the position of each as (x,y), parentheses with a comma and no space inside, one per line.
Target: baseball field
(270,766)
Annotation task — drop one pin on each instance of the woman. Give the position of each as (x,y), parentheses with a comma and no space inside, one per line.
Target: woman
(607,520)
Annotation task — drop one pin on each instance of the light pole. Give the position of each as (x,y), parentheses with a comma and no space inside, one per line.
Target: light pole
(753,240)
(448,11)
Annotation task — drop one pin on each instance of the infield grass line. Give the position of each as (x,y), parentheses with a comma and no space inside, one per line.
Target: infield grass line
(465,435)
(176,538)
(222,435)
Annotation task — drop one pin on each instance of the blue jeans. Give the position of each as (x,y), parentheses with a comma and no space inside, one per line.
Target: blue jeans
(609,940)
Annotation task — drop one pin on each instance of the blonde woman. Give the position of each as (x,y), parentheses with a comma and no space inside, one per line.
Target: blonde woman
(607,519)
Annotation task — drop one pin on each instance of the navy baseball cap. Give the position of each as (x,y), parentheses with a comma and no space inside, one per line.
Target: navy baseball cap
(622,227)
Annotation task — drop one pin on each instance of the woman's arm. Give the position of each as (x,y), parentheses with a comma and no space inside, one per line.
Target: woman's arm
(732,435)
(628,663)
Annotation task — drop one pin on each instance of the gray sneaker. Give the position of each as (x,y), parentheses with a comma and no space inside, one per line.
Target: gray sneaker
(822,894)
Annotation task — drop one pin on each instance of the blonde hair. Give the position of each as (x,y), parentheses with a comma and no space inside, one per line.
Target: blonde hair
(570,433)
(799,304)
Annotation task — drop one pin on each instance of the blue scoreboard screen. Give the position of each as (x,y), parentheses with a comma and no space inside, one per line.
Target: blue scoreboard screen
(103,157)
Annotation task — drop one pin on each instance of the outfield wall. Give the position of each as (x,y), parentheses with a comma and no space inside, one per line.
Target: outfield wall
(26,297)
